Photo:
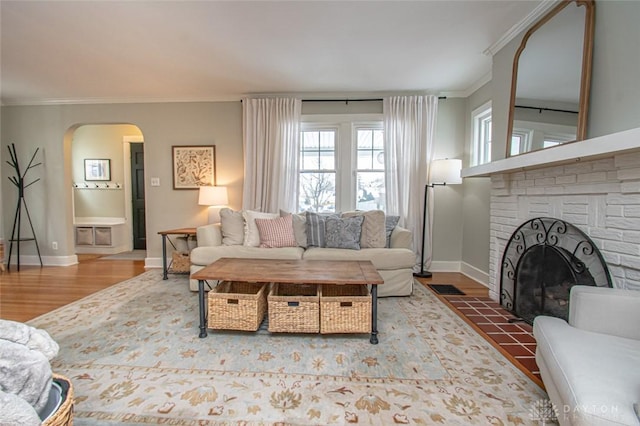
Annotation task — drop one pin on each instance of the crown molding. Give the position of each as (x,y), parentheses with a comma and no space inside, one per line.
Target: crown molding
(128,100)
(540,10)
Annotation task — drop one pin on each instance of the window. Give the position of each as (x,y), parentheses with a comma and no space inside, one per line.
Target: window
(370,169)
(317,189)
(481,143)
(341,165)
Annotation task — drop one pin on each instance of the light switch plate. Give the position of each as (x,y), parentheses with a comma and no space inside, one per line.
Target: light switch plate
(155,181)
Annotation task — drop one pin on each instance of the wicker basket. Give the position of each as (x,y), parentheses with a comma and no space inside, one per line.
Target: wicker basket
(345,309)
(294,308)
(180,262)
(237,305)
(64,414)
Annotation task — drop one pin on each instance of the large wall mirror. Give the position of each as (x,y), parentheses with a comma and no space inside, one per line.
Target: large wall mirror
(551,79)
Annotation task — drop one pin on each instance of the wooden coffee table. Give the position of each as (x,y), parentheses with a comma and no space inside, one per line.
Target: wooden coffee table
(332,272)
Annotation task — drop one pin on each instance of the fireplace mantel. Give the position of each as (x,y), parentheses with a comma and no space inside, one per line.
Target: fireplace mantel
(615,143)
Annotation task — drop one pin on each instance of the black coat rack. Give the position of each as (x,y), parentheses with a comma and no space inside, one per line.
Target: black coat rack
(18,181)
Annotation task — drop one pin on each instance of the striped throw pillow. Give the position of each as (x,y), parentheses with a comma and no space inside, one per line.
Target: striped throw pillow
(276,232)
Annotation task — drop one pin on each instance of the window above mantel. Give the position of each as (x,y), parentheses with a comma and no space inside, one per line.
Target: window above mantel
(602,146)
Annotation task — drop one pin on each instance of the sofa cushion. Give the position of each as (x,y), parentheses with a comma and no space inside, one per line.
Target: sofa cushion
(373,228)
(382,258)
(343,232)
(276,232)
(251,234)
(232,224)
(595,374)
(316,228)
(206,255)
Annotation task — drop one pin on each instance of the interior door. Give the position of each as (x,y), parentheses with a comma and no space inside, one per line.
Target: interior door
(137,196)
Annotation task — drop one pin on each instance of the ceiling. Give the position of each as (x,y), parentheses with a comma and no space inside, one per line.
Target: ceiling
(158,51)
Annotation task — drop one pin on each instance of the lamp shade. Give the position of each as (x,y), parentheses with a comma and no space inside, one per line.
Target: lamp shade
(446,171)
(213,196)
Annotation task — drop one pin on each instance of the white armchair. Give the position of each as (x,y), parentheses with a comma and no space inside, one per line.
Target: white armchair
(590,366)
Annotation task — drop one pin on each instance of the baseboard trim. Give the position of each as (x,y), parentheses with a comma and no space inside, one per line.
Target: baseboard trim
(32,260)
(444,266)
(475,274)
(152,262)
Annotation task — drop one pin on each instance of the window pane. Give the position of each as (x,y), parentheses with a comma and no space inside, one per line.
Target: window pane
(365,160)
(365,138)
(378,139)
(327,160)
(327,140)
(317,192)
(371,195)
(310,140)
(310,160)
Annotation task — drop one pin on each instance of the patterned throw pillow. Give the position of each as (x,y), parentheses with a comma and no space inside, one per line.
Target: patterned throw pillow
(251,235)
(344,232)
(390,222)
(276,232)
(316,228)
(373,228)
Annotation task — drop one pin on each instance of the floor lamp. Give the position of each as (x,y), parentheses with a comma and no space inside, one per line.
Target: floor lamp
(443,172)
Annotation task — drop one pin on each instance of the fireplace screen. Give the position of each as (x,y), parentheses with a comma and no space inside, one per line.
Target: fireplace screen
(543,259)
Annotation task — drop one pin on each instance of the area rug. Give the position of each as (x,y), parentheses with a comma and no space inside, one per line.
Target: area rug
(133,354)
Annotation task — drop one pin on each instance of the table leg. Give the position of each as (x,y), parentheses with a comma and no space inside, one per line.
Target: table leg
(203,317)
(164,257)
(374,315)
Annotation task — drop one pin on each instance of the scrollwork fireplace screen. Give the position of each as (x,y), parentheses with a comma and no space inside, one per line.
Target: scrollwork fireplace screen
(543,259)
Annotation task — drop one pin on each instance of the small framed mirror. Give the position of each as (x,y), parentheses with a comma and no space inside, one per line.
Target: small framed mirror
(551,79)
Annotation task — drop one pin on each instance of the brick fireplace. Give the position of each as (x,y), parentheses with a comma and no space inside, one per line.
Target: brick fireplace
(600,196)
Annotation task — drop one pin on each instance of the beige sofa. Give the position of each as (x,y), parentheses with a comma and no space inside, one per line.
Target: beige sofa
(395,264)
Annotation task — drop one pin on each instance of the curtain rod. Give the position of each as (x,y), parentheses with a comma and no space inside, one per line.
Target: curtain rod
(351,100)
(547,109)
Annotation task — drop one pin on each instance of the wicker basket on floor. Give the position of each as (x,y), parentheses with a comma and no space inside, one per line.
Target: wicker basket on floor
(237,305)
(64,414)
(294,308)
(180,262)
(345,309)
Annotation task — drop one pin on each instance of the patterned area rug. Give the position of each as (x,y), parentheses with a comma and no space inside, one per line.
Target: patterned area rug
(133,354)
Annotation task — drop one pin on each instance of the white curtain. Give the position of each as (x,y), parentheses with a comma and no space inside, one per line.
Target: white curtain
(409,132)
(271,129)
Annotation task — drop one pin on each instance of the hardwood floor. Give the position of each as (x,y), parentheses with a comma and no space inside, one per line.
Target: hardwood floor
(35,291)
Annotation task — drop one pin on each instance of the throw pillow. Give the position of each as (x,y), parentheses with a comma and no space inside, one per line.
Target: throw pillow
(251,235)
(316,228)
(276,232)
(373,228)
(344,232)
(390,222)
(299,227)
(232,225)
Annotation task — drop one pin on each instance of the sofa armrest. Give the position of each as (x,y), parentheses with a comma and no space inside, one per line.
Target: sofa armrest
(605,310)
(209,235)
(401,238)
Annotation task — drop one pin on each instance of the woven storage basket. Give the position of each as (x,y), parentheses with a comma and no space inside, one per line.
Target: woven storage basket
(345,309)
(180,262)
(237,305)
(64,414)
(294,308)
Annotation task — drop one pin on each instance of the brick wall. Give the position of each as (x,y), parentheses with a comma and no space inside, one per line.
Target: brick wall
(601,197)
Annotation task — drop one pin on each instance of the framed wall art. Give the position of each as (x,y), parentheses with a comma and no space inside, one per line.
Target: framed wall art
(194,166)
(97,169)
